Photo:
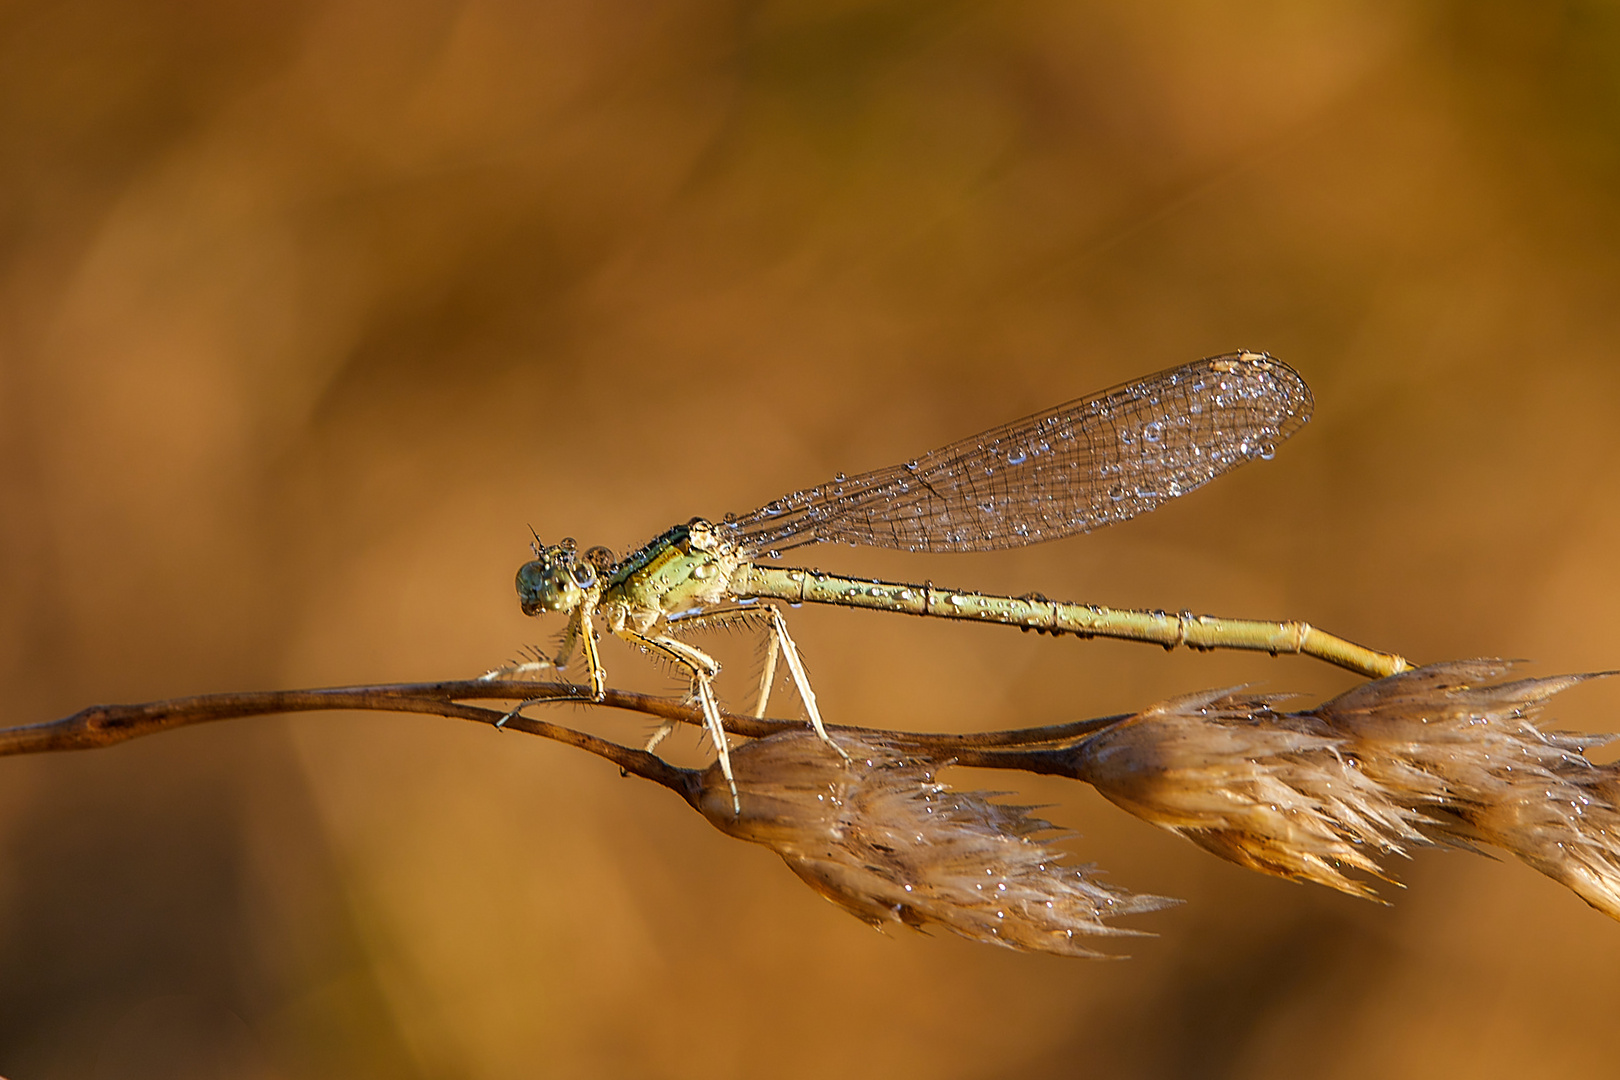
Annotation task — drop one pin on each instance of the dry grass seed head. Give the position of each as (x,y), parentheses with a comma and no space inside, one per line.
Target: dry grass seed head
(1267,790)
(1437,752)
(884,840)
(1473,758)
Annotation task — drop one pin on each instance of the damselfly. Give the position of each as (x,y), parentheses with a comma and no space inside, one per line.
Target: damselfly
(1070,469)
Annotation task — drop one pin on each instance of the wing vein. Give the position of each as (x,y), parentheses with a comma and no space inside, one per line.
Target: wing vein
(1072,468)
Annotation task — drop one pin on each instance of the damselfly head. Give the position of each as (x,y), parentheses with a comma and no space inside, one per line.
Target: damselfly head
(554,580)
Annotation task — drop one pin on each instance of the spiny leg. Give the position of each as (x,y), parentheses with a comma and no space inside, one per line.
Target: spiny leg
(779,645)
(517,669)
(753,618)
(801,679)
(659,735)
(717,732)
(579,630)
(757,619)
(773,649)
(702,668)
(593,660)
(517,710)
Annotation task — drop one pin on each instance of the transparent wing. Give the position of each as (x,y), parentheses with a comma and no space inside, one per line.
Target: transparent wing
(1070,469)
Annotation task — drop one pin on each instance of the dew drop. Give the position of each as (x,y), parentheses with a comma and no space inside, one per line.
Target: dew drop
(1017,457)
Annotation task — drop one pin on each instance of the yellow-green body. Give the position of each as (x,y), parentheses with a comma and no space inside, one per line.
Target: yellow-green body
(690,568)
(1056,617)
(694,567)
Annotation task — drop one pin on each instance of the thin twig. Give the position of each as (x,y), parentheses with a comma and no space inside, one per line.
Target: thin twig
(106,725)
(950,744)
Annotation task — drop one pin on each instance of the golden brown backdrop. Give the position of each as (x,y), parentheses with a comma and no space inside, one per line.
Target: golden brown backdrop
(307,310)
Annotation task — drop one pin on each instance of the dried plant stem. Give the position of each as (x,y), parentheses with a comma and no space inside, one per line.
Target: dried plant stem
(106,725)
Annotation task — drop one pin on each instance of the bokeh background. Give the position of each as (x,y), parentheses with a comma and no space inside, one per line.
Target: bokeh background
(309,310)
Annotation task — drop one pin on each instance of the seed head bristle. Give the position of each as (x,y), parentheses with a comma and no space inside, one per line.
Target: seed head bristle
(1437,754)
(1472,757)
(884,840)
(1266,790)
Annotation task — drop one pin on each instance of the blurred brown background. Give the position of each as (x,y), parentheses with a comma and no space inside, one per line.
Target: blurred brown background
(308,310)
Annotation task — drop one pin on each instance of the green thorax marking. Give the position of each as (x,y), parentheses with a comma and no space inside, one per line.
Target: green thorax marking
(638,560)
(672,573)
